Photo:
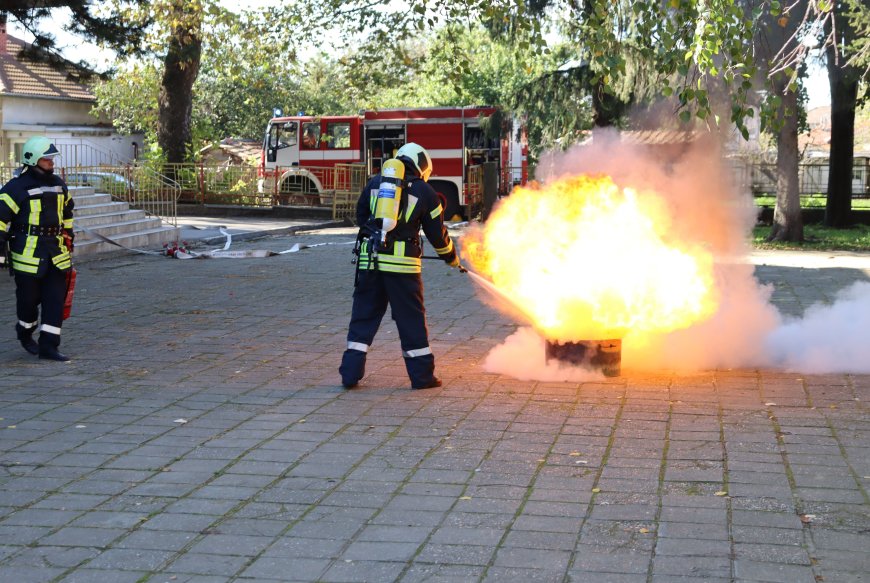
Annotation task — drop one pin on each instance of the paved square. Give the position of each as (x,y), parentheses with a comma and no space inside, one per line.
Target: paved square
(200,435)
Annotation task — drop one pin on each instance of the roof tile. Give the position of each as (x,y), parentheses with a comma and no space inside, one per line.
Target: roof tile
(25,77)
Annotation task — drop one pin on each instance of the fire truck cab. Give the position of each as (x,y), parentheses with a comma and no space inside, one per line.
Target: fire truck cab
(300,151)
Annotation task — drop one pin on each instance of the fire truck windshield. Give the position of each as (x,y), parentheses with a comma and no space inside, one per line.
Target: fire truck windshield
(283,135)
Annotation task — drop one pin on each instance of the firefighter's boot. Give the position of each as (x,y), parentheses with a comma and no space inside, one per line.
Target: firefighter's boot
(353,366)
(421,369)
(25,337)
(52,353)
(48,343)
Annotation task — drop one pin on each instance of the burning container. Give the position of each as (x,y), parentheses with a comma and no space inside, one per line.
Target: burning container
(603,355)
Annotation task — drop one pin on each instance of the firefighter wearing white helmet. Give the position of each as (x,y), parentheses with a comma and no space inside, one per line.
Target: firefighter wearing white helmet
(36,221)
(392,209)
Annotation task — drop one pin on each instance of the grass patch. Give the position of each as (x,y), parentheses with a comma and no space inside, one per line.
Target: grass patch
(818,237)
(814,201)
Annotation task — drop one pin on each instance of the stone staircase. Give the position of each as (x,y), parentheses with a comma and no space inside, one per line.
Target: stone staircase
(117,221)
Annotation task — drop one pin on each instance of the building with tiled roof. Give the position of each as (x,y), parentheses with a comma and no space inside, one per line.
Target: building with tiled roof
(53,99)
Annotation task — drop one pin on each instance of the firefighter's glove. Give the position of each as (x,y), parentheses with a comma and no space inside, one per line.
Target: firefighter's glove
(454,262)
(69,240)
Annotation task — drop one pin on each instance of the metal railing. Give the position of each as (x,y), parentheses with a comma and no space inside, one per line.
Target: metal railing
(81,152)
(349,182)
(138,186)
(218,184)
(474,190)
(760,178)
(334,187)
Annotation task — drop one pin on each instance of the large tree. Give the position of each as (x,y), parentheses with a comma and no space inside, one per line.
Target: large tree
(844,77)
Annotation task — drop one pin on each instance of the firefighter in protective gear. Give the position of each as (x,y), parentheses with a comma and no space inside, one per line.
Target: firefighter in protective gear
(36,220)
(390,274)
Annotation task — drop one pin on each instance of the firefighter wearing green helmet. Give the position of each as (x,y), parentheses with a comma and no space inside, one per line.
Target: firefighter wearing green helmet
(36,221)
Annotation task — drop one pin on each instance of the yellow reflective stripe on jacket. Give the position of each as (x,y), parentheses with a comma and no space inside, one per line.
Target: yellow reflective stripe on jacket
(391,259)
(436,212)
(35,210)
(24,263)
(7,200)
(445,250)
(412,203)
(67,223)
(4,226)
(62,261)
(61,201)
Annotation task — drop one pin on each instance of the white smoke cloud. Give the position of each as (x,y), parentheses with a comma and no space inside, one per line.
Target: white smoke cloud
(747,331)
(828,338)
(522,356)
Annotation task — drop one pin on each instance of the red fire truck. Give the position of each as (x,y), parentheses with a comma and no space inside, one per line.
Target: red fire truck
(301,153)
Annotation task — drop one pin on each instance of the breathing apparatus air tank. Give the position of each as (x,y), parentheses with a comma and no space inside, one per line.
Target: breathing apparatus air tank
(389,196)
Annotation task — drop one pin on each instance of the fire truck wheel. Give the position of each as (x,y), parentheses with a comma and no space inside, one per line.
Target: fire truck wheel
(452,209)
(449,199)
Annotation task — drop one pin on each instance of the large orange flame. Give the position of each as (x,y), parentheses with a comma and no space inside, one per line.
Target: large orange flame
(586,260)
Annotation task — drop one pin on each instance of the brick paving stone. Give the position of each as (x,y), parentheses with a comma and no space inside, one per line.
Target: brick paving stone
(363,571)
(745,570)
(130,560)
(278,568)
(86,575)
(279,475)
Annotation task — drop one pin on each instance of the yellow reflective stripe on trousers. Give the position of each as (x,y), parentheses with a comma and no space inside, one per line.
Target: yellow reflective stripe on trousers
(7,200)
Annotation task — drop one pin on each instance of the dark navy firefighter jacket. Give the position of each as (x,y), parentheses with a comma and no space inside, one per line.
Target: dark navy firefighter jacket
(420,207)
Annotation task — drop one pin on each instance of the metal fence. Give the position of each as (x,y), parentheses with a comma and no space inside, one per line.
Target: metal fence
(246,185)
(138,186)
(349,182)
(760,178)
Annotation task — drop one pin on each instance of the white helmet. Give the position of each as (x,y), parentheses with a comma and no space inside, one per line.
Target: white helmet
(419,157)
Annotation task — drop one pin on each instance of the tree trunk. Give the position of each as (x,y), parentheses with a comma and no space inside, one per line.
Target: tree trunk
(787,221)
(844,96)
(175,100)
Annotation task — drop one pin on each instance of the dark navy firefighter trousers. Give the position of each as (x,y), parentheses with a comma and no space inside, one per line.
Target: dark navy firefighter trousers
(48,291)
(404,294)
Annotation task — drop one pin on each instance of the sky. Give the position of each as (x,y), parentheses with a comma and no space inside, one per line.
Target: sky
(75,50)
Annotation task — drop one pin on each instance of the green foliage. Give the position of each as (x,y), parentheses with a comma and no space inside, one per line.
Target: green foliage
(858,13)
(129,99)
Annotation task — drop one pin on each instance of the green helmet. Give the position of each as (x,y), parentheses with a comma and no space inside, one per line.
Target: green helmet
(35,148)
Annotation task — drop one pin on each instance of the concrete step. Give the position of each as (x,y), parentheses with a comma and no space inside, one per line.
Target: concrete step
(132,228)
(150,239)
(119,228)
(79,191)
(110,218)
(99,209)
(87,200)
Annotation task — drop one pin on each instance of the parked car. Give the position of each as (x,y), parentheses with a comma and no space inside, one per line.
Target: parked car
(106,182)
